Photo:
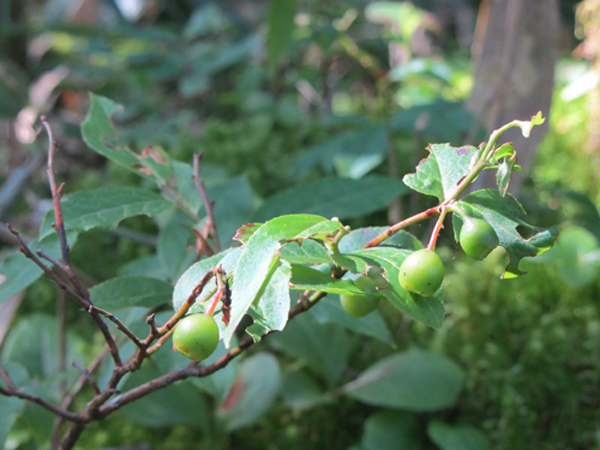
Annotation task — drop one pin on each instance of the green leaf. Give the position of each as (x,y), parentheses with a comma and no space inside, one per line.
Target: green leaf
(392,430)
(233,205)
(352,154)
(576,257)
(253,393)
(123,292)
(504,214)
(188,192)
(173,249)
(97,131)
(457,437)
(220,382)
(357,239)
(429,310)
(439,174)
(20,272)
(105,207)
(307,278)
(150,266)
(334,197)
(11,407)
(415,380)
(307,251)
(300,391)
(527,125)
(271,312)
(190,278)
(205,20)
(245,231)
(260,258)
(281,26)
(329,310)
(180,404)
(324,347)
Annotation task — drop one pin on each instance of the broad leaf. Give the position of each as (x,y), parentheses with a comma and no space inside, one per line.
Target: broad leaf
(307,251)
(457,437)
(260,259)
(334,197)
(301,391)
(392,430)
(281,27)
(99,134)
(11,407)
(307,278)
(253,392)
(188,192)
(505,214)
(357,239)
(188,281)
(105,207)
(20,272)
(429,310)
(271,312)
(415,380)
(324,347)
(439,174)
(220,382)
(123,292)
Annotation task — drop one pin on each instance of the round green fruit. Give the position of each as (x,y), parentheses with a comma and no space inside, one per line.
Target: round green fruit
(196,336)
(422,272)
(359,305)
(477,238)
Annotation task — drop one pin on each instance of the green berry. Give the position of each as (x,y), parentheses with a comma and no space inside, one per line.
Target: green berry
(359,305)
(422,272)
(477,238)
(196,336)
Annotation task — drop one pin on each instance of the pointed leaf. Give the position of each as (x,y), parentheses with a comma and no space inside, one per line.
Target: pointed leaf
(272,310)
(307,278)
(415,380)
(504,214)
(307,251)
(260,257)
(457,437)
(429,310)
(334,197)
(439,174)
(122,292)
(105,207)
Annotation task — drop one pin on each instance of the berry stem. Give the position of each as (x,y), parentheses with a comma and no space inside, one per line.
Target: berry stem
(438,227)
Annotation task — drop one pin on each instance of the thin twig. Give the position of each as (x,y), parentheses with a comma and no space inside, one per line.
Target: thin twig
(208,203)
(88,377)
(4,374)
(120,325)
(150,320)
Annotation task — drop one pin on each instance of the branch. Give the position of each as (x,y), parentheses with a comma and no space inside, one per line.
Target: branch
(120,325)
(208,203)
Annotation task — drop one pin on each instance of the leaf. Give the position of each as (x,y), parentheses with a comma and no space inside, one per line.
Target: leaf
(123,292)
(506,156)
(329,310)
(173,250)
(11,407)
(457,437)
(429,310)
(205,20)
(281,26)
(300,391)
(260,258)
(527,125)
(392,430)
(180,404)
(271,312)
(220,382)
(439,174)
(352,154)
(20,272)
(188,192)
(245,231)
(576,256)
(415,380)
(97,130)
(307,251)
(504,214)
(334,197)
(105,207)
(253,392)
(190,278)
(307,278)
(324,347)
(150,266)
(357,239)
(233,205)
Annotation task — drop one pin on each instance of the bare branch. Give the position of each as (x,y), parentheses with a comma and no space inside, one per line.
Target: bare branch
(120,325)
(208,203)
(88,377)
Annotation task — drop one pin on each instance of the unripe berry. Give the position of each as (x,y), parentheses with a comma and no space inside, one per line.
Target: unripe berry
(477,238)
(196,336)
(359,305)
(422,272)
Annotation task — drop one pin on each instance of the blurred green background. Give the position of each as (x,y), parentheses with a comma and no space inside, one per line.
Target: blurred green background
(311,106)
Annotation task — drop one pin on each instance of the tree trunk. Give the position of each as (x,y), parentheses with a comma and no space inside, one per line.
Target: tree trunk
(514,76)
